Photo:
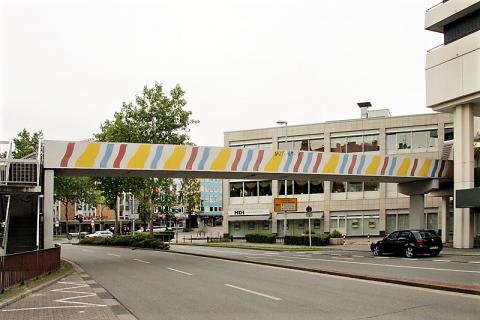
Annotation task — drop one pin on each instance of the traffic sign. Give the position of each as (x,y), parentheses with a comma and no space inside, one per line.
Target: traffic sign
(309,214)
(285,204)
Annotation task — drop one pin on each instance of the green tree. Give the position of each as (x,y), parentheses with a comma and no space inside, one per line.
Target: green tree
(26,143)
(191,195)
(70,190)
(156,118)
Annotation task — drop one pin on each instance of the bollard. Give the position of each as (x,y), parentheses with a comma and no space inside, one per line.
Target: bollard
(183,239)
(344,241)
(368,239)
(191,239)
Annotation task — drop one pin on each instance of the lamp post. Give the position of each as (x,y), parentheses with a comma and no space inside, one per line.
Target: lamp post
(282,122)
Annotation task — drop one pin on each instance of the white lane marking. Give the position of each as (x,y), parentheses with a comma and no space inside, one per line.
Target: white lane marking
(269,258)
(410,259)
(358,256)
(179,271)
(113,254)
(386,265)
(343,258)
(440,260)
(335,254)
(45,308)
(86,250)
(221,251)
(382,257)
(142,261)
(253,292)
(474,262)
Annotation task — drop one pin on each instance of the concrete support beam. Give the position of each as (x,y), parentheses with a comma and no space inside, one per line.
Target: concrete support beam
(48,208)
(463,173)
(445,219)
(417,211)
(418,187)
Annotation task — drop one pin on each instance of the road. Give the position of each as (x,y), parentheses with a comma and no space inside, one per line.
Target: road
(163,285)
(456,270)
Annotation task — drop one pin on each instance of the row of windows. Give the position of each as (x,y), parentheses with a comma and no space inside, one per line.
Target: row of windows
(212,209)
(297,187)
(367,143)
(412,140)
(305,145)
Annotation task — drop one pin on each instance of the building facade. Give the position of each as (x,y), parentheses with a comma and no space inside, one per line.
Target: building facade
(352,207)
(211,197)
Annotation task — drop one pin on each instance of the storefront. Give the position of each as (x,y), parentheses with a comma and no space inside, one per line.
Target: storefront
(297,223)
(355,223)
(249,221)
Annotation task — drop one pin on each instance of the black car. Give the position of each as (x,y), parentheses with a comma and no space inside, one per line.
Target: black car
(409,243)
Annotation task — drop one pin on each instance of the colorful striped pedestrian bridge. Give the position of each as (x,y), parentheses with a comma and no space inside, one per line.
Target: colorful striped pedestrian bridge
(136,159)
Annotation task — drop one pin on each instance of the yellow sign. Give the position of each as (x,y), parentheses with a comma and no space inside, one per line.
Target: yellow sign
(285,204)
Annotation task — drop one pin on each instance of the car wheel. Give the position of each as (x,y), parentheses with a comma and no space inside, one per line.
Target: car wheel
(434,253)
(409,252)
(376,251)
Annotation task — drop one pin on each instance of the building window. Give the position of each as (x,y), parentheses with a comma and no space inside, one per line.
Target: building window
(419,139)
(236,226)
(251,189)
(266,225)
(316,186)
(300,187)
(251,225)
(338,145)
(338,186)
(433,138)
(317,145)
(316,224)
(301,225)
(448,134)
(354,187)
(404,140)
(355,144)
(265,188)
(236,189)
(281,187)
(371,186)
(370,143)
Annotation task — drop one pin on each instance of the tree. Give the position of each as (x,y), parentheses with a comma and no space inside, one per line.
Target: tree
(26,143)
(154,118)
(191,195)
(70,190)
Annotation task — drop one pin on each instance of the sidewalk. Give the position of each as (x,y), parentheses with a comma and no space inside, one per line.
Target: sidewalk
(74,297)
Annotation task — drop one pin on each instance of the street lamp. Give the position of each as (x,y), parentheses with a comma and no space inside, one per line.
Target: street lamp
(282,122)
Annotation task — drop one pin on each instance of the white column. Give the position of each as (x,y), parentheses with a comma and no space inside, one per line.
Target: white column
(48,209)
(417,211)
(463,166)
(445,211)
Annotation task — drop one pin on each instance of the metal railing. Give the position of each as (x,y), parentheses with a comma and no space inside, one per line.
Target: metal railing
(19,267)
(19,172)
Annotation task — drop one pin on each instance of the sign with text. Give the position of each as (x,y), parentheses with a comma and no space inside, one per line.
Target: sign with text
(249,212)
(285,204)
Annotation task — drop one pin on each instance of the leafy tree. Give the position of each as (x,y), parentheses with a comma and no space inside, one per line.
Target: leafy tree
(191,195)
(26,143)
(70,190)
(156,118)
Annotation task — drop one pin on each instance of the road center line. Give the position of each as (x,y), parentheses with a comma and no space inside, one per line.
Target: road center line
(439,260)
(358,256)
(343,258)
(113,254)
(387,265)
(142,261)
(179,271)
(474,261)
(269,258)
(253,292)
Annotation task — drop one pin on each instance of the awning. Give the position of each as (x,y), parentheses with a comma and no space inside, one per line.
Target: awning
(248,218)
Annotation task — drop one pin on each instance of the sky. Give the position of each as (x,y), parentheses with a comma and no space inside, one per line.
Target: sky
(66,66)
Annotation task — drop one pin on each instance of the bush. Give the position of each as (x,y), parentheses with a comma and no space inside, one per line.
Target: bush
(320,240)
(140,240)
(336,234)
(165,236)
(260,238)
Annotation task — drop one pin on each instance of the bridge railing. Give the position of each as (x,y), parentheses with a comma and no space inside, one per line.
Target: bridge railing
(19,267)
(19,172)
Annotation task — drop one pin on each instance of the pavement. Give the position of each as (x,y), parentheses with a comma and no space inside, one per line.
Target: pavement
(75,297)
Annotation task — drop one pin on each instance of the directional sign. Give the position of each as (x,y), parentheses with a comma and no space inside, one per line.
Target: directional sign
(285,204)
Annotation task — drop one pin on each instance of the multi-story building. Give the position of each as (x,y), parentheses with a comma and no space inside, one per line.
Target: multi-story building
(352,207)
(211,197)
(452,74)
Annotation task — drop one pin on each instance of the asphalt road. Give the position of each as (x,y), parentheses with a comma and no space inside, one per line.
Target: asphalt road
(456,270)
(162,285)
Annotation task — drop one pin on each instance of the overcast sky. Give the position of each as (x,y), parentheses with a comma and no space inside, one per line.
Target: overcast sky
(66,66)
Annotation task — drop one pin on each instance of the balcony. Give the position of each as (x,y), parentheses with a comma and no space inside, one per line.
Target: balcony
(447,11)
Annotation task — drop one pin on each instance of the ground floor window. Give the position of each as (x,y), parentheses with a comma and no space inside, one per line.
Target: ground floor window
(396,221)
(355,224)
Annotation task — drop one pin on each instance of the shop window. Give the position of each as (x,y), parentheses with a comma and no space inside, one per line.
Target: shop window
(354,144)
(317,145)
(338,186)
(316,224)
(281,187)
(236,189)
(300,187)
(354,187)
(338,145)
(371,186)
(370,143)
(236,226)
(251,225)
(265,188)
(316,186)
(251,189)
(266,225)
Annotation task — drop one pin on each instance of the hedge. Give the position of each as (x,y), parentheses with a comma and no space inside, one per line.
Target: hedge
(260,238)
(139,241)
(320,240)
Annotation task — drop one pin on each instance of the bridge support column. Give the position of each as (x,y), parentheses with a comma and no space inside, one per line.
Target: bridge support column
(445,209)
(417,211)
(463,173)
(48,208)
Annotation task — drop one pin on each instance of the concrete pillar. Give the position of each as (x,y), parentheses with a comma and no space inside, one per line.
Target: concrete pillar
(445,226)
(463,171)
(48,208)
(417,211)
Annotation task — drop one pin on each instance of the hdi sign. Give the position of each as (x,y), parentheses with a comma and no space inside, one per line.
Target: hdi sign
(249,212)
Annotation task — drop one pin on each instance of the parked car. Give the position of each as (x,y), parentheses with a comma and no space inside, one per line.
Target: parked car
(101,234)
(72,235)
(409,243)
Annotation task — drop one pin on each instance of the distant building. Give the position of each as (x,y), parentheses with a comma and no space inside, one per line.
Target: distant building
(211,198)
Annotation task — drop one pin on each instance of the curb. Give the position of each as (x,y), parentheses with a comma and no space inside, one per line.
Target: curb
(473,290)
(118,308)
(37,288)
